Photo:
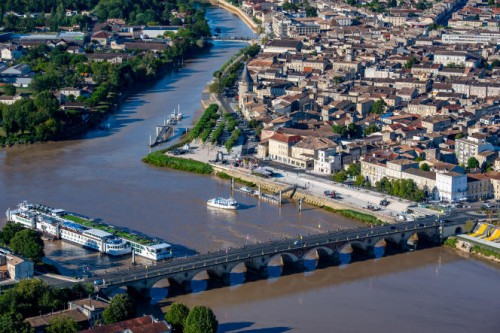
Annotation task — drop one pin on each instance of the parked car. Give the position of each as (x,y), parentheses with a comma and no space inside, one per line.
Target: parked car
(384,202)
(98,282)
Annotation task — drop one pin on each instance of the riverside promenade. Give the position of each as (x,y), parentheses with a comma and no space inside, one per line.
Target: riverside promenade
(311,186)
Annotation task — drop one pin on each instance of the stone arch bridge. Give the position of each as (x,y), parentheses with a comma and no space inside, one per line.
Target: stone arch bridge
(336,246)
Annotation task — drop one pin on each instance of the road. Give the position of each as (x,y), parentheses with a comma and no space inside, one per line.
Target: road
(356,197)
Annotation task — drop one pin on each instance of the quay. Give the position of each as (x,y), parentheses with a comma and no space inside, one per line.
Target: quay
(163,133)
(333,246)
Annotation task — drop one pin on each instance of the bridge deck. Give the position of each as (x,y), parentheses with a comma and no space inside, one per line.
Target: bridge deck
(271,248)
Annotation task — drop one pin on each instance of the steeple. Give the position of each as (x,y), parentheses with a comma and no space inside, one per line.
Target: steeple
(245,86)
(246,79)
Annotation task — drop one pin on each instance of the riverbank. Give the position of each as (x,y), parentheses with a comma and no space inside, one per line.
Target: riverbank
(236,11)
(198,162)
(113,83)
(463,246)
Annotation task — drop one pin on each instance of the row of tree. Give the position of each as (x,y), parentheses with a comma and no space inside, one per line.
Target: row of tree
(206,123)
(227,75)
(197,320)
(403,188)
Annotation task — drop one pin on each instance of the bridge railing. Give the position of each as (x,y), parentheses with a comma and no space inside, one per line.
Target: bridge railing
(270,248)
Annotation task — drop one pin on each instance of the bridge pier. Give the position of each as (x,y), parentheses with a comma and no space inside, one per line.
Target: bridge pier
(281,256)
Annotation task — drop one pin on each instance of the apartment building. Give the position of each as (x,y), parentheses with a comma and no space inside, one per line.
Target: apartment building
(471,146)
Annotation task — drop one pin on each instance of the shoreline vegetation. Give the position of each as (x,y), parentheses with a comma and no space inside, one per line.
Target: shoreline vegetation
(474,250)
(37,115)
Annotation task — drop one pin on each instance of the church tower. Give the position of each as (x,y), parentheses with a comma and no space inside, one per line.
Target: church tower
(245,86)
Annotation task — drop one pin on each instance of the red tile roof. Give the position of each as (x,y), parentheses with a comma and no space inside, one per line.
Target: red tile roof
(286,138)
(144,324)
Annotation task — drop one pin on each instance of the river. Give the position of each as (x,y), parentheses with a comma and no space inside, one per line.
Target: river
(101,175)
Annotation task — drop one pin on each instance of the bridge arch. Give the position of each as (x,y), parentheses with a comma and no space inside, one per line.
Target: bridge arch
(358,247)
(239,268)
(320,253)
(202,275)
(459,230)
(423,236)
(283,259)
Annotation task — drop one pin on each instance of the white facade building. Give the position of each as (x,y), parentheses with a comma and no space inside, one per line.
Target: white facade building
(451,186)
(328,161)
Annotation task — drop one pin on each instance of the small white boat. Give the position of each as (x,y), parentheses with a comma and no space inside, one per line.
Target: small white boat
(248,190)
(222,203)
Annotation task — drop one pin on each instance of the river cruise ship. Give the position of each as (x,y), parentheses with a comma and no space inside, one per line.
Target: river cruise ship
(78,229)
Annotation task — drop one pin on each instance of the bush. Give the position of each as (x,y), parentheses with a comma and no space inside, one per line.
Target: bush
(358,216)
(485,252)
(451,242)
(159,159)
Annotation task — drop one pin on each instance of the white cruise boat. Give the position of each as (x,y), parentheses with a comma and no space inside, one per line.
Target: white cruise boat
(223,203)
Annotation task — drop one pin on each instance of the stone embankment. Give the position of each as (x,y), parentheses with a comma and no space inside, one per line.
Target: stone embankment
(274,186)
(236,11)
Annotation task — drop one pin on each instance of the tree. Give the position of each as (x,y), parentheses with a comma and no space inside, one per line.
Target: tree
(9,231)
(384,185)
(379,106)
(340,130)
(353,129)
(472,163)
(61,325)
(421,5)
(311,11)
(354,169)
(371,129)
(340,176)
(425,167)
(360,180)
(201,319)
(487,166)
(29,244)
(409,64)
(9,120)
(290,6)
(459,136)
(13,322)
(120,308)
(9,90)
(176,316)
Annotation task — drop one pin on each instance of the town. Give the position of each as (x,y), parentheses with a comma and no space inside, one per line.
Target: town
(389,109)
(354,86)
